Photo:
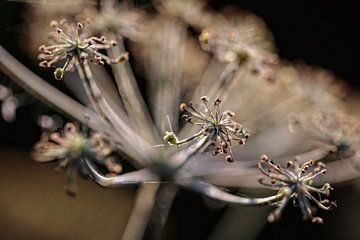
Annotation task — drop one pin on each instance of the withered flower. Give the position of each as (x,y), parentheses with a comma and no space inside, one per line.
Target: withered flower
(70,42)
(71,148)
(295,182)
(217,126)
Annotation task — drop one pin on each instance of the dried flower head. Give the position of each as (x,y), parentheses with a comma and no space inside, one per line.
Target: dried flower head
(71,147)
(295,183)
(334,128)
(217,126)
(70,42)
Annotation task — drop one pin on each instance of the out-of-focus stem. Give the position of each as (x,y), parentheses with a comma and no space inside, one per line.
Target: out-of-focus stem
(121,127)
(91,96)
(165,198)
(130,93)
(141,212)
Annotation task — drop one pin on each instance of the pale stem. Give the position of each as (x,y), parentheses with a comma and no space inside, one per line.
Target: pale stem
(141,212)
(130,137)
(46,93)
(130,93)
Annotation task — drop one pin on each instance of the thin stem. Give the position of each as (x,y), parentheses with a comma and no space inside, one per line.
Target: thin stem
(46,93)
(130,93)
(121,127)
(164,202)
(218,194)
(141,212)
(91,96)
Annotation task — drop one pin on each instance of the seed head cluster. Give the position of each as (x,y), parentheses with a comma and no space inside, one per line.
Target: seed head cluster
(217,126)
(70,147)
(295,182)
(70,45)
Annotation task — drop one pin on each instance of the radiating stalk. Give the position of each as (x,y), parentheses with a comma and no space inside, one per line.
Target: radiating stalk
(164,202)
(121,127)
(130,93)
(141,212)
(49,95)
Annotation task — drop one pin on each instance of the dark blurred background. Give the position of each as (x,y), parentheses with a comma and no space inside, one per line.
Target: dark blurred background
(33,204)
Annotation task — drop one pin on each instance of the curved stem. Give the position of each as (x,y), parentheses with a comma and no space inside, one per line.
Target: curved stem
(218,194)
(131,178)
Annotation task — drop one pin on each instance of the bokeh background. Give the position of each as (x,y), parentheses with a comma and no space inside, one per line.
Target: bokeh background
(33,204)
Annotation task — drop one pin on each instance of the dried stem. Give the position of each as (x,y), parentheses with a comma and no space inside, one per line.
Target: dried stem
(40,89)
(120,126)
(130,93)
(141,212)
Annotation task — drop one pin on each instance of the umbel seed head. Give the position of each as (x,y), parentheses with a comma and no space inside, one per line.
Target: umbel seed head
(71,44)
(295,182)
(217,127)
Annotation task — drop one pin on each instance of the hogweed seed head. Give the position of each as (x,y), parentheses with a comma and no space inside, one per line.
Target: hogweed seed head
(295,182)
(217,126)
(70,147)
(70,43)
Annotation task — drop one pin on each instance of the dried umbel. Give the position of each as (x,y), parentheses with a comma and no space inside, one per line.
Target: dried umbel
(70,42)
(295,182)
(70,147)
(333,128)
(218,127)
(243,40)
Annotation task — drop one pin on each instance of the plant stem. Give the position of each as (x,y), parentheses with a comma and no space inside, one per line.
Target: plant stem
(140,215)
(130,94)
(121,126)
(46,93)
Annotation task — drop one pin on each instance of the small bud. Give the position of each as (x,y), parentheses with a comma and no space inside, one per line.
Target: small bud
(171,138)
(241,55)
(205,36)
(124,57)
(54,24)
(113,43)
(183,107)
(229,158)
(42,48)
(204,98)
(321,164)
(264,158)
(230,114)
(102,39)
(217,101)
(317,220)
(58,73)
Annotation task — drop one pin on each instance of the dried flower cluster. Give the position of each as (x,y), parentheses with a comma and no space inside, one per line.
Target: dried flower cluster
(70,42)
(295,182)
(216,126)
(70,147)
(301,114)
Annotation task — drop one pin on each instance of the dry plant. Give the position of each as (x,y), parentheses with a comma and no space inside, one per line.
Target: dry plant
(193,60)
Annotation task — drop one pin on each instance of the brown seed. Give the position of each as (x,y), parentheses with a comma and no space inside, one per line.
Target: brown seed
(229,158)
(183,107)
